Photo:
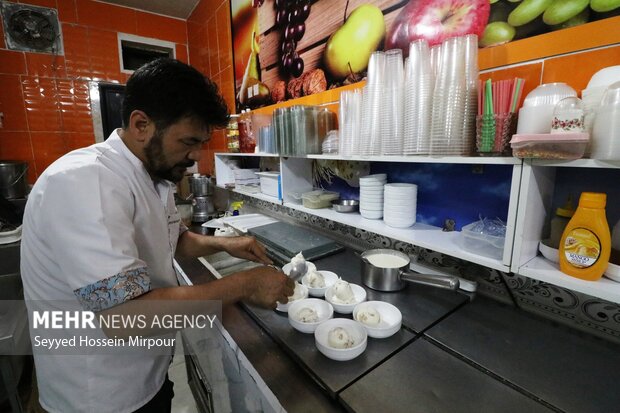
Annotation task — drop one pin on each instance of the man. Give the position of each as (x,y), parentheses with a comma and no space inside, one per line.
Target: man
(101,228)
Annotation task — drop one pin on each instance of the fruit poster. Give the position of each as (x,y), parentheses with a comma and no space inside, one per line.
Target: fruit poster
(285,49)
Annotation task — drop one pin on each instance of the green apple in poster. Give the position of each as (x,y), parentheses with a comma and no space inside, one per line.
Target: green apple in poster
(604,5)
(349,48)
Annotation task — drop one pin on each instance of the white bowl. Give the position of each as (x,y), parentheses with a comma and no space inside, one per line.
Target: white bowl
(401,212)
(372,185)
(400,223)
(287,267)
(401,187)
(371,206)
(611,97)
(284,307)
(372,197)
(324,310)
(370,214)
(535,120)
(372,190)
(358,292)
(548,94)
(391,318)
(330,279)
(604,77)
(613,272)
(605,142)
(355,329)
(549,253)
(373,178)
(400,198)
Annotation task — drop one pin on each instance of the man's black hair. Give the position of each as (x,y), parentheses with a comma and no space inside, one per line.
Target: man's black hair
(168,90)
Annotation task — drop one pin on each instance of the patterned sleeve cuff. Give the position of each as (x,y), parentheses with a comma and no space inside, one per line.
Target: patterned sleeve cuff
(114,290)
(182,228)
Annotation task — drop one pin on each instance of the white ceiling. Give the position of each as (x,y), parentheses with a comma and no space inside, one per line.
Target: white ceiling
(174,8)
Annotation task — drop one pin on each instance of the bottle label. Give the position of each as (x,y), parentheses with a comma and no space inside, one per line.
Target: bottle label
(582,248)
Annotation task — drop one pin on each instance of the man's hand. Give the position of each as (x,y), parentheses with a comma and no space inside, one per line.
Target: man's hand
(266,285)
(247,248)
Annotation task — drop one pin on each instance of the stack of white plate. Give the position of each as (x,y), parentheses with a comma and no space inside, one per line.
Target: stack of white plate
(399,205)
(371,196)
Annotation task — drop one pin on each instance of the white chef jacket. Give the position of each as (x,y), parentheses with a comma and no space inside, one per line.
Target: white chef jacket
(98,229)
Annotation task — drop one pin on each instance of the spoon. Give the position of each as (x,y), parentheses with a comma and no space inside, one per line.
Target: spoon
(298,270)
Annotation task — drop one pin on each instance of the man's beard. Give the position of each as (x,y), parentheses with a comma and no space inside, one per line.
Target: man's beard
(157,163)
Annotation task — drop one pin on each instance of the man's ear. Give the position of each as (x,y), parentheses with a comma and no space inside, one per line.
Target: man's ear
(140,125)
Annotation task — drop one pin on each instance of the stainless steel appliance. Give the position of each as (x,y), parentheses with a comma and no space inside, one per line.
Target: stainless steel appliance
(13,179)
(201,187)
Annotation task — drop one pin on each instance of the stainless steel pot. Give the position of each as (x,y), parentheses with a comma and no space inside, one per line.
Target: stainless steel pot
(395,279)
(13,183)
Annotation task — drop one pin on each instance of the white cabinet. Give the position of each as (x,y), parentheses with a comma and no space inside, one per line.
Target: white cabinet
(540,185)
(532,189)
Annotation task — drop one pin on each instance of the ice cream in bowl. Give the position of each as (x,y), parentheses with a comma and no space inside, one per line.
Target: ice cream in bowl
(318,281)
(300,293)
(380,319)
(344,296)
(305,315)
(341,339)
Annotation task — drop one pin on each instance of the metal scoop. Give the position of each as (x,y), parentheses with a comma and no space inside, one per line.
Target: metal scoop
(298,270)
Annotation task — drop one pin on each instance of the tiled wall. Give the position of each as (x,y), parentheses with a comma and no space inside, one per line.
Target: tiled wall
(45,98)
(575,69)
(210,51)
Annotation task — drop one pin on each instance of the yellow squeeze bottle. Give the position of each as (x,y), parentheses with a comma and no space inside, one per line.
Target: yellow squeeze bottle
(586,242)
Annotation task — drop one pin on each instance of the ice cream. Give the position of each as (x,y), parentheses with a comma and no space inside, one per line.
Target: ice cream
(307,315)
(340,338)
(297,259)
(369,315)
(342,293)
(314,279)
(297,294)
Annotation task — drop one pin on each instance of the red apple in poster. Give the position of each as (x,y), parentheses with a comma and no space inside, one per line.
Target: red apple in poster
(437,20)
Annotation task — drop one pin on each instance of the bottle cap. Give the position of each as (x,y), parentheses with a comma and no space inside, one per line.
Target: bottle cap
(592,200)
(568,210)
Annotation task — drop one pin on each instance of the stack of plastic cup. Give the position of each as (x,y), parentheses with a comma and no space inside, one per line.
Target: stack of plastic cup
(435,53)
(400,205)
(470,107)
(350,122)
(372,100)
(419,83)
(449,100)
(371,196)
(392,104)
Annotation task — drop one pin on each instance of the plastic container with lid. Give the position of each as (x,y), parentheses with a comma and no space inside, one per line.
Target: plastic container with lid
(559,223)
(550,146)
(319,199)
(585,246)
(481,241)
(270,184)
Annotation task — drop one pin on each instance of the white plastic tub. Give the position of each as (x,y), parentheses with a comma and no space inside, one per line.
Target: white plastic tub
(270,184)
(482,244)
